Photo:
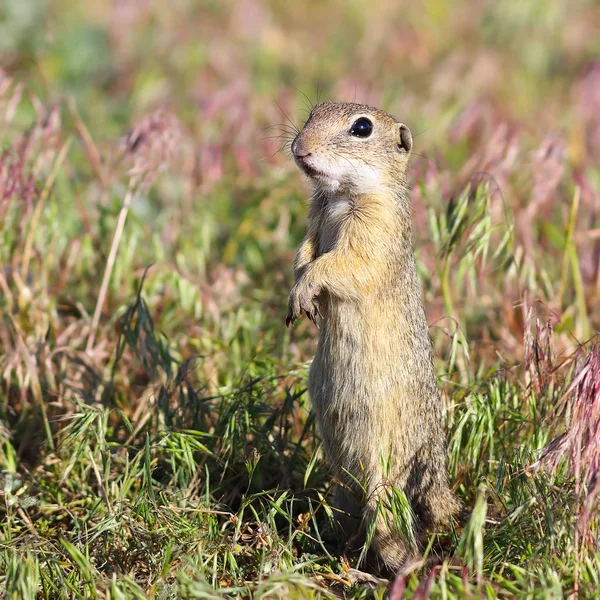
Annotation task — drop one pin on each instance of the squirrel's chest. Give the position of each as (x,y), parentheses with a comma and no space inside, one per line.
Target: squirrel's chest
(335,212)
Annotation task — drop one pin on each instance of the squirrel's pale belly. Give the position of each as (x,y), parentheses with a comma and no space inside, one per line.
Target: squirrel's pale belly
(363,385)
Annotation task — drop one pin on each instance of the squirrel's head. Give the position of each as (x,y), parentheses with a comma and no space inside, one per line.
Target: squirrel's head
(352,147)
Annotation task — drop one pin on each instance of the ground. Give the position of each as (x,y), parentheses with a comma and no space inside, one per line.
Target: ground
(156,439)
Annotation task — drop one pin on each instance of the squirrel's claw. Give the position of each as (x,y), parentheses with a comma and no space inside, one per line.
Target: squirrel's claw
(318,308)
(313,317)
(294,308)
(313,312)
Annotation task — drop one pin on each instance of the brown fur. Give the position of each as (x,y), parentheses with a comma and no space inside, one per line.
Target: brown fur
(372,381)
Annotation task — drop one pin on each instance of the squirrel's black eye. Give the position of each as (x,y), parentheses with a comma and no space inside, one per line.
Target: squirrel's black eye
(362,128)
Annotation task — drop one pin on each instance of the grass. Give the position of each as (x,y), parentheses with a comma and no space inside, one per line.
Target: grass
(156,439)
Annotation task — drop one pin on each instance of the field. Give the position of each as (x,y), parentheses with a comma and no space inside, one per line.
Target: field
(156,439)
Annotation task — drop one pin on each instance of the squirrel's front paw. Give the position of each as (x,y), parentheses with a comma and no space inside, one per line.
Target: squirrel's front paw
(303,299)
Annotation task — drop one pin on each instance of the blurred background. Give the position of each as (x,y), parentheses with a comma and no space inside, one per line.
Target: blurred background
(145,143)
(501,91)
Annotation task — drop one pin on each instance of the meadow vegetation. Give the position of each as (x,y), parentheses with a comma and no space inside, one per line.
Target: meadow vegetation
(156,439)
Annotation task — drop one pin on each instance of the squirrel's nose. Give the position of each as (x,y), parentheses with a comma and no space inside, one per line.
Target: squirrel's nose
(298,149)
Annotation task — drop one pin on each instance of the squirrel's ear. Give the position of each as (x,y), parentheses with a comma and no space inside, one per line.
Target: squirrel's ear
(405,143)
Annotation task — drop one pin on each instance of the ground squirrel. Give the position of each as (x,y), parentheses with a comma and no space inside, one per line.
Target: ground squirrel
(372,381)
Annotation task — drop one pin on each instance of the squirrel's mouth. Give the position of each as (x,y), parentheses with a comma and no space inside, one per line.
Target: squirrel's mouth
(308,169)
(312,172)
